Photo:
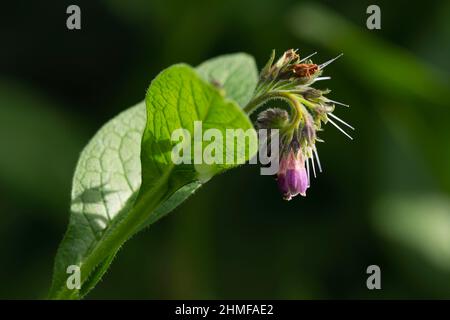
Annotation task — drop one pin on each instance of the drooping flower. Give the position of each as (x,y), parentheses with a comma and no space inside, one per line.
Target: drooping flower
(292,176)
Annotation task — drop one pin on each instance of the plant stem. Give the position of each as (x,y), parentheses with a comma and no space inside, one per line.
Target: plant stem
(292,100)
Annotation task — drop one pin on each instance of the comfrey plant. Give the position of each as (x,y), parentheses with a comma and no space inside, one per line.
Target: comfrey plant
(126,179)
(290,78)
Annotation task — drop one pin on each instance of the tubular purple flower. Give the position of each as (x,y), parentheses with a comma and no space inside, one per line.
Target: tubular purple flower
(292,176)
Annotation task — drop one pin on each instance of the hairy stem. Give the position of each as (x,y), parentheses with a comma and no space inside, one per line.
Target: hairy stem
(290,98)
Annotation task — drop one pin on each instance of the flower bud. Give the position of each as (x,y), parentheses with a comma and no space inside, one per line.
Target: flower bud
(312,93)
(286,59)
(273,70)
(309,133)
(272,118)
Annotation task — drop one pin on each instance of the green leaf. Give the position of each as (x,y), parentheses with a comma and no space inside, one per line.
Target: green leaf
(236,73)
(105,184)
(109,204)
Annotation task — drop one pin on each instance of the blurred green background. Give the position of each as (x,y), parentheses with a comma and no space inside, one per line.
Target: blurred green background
(383,198)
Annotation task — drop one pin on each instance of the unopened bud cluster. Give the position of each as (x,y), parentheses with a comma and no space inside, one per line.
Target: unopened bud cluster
(290,79)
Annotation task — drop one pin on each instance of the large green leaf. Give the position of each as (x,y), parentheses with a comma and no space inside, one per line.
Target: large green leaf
(237,73)
(107,180)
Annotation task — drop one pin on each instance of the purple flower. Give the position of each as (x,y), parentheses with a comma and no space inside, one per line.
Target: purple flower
(292,176)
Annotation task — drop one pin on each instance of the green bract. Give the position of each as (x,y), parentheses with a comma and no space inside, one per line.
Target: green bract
(125,179)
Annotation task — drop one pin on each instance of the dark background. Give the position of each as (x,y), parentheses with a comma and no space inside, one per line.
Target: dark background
(383,198)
